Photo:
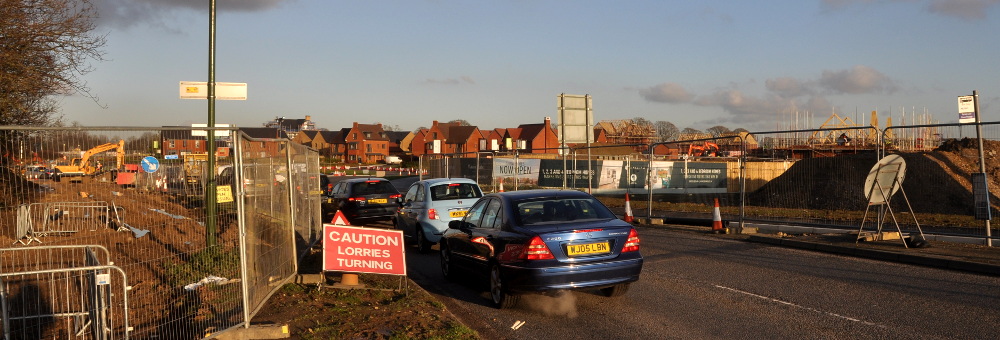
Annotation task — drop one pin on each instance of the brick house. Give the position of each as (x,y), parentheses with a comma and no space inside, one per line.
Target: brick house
(181,142)
(433,140)
(464,140)
(539,138)
(366,144)
(262,149)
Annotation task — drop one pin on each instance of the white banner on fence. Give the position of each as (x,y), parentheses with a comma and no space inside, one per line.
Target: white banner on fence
(525,170)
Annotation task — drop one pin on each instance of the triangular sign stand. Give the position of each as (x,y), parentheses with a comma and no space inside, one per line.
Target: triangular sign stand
(339,219)
(346,279)
(884,179)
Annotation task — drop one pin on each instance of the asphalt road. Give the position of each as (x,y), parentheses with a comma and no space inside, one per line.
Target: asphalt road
(698,286)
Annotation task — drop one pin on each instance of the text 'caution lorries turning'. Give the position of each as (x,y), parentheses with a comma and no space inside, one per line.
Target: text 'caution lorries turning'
(363,250)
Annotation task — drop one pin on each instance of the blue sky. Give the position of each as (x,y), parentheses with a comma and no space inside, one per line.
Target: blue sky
(758,65)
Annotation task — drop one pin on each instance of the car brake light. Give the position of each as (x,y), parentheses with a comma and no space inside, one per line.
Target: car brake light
(537,250)
(632,244)
(371,181)
(453,185)
(395,196)
(432,214)
(357,199)
(588,230)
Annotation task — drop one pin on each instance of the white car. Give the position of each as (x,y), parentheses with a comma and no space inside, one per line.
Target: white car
(429,205)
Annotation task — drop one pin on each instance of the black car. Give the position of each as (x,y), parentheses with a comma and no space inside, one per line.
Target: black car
(371,198)
(542,241)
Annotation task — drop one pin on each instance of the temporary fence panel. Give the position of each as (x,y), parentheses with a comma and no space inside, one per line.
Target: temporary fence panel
(155,225)
(62,292)
(269,251)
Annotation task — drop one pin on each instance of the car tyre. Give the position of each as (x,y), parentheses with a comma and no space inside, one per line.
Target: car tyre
(616,290)
(502,299)
(446,270)
(423,245)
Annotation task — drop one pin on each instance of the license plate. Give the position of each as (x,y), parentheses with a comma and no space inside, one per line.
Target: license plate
(378,201)
(586,249)
(328,200)
(457,213)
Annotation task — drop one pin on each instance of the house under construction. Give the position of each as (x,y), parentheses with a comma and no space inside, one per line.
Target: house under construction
(624,131)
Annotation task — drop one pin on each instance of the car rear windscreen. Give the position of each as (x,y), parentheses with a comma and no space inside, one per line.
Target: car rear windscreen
(454,191)
(561,210)
(372,188)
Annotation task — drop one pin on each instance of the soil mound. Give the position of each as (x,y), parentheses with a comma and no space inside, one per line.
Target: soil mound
(935,182)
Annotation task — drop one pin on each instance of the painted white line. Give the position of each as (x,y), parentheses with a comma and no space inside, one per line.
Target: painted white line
(800,306)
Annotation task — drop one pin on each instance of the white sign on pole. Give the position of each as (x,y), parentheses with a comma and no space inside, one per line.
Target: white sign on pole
(576,118)
(204,133)
(223,91)
(966,109)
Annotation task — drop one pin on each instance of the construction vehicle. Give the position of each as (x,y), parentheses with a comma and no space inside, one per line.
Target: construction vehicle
(708,149)
(82,167)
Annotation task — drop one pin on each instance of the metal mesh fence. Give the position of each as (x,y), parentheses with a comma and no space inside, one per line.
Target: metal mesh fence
(816,177)
(139,193)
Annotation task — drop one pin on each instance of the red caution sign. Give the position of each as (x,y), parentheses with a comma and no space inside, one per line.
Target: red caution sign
(363,250)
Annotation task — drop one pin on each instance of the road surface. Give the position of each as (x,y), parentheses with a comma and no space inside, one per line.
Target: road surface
(699,286)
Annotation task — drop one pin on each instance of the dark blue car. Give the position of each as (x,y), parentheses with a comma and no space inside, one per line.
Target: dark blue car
(542,241)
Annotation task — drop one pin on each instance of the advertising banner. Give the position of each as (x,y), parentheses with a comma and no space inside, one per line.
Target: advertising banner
(576,174)
(667,177)
(363,250)
(525,170)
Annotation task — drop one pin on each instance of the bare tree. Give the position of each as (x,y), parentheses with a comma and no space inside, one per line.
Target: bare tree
(666,131)
(718,130)
(45,49)
(689,130)
(461,122)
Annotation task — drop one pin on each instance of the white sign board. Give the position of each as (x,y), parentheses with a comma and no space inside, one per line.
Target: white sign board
(223,91)
(966,109)
(576,118)
(204,133)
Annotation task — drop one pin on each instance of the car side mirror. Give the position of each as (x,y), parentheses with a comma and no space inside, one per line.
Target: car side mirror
(456,224)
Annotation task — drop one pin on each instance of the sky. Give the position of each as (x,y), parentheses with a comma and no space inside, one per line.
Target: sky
(758,65)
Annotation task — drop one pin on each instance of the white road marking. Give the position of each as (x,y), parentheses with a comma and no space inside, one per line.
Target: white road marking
(800,306)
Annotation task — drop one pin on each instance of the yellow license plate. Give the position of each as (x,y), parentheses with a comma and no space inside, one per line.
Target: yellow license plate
(328,200)
(457,213)
(378,200)
(586,249)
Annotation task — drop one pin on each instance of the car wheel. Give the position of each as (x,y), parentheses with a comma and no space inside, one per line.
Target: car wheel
(616,290)
(423,245)
(502,299)
(446,269)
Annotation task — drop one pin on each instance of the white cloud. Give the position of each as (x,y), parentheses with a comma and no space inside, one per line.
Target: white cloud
(128,13)
(857,80)
(666,93)
(780,96)
(963,9)
(452,81)
(787,87)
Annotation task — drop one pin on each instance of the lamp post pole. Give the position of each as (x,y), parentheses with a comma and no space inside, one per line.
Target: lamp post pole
(210,190)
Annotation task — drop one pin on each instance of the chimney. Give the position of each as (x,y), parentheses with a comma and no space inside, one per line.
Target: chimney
(308,117)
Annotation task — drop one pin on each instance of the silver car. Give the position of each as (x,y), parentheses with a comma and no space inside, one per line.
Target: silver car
(429,205)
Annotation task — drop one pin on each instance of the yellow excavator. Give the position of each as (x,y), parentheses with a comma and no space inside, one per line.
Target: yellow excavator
(79,168)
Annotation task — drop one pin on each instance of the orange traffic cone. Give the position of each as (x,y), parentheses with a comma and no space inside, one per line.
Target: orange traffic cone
(501,184)
(628,210)
(716,218)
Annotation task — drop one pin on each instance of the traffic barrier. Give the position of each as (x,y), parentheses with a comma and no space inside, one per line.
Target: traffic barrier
(716,218)
(628,210)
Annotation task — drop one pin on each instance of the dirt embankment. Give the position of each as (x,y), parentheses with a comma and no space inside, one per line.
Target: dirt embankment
(936,182)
